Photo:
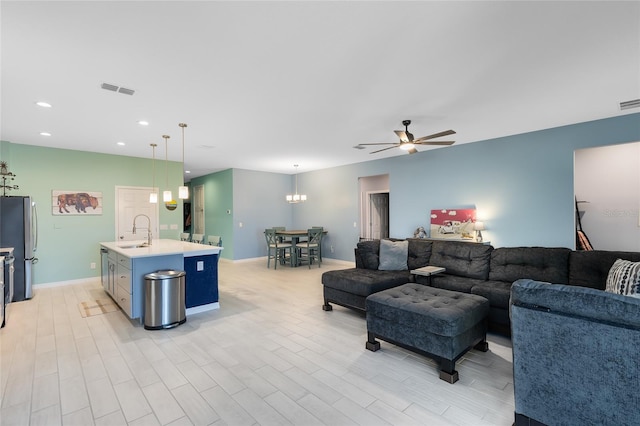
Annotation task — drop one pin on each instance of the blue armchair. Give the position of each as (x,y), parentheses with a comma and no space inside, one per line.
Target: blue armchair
(575,355)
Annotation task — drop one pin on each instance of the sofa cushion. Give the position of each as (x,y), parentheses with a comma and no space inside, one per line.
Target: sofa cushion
(449,282)
(624,278)
(393,255)
(463,259)
(591,268)
(364,282)
(497,292)
(419,253)
(537,263)
(368,253)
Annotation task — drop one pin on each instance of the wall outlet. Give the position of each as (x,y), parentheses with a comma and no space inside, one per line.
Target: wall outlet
(240,225)
(355,224)
(93,265)
(331,249)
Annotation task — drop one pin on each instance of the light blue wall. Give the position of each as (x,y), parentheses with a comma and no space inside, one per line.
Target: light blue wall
(522,186)
(259,202)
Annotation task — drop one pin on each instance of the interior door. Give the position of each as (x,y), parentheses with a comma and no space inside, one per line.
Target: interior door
(379,215)
(130,202)
(198,209)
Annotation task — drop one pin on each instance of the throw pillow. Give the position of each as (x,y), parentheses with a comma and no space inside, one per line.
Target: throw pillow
(393,255)
(624,278)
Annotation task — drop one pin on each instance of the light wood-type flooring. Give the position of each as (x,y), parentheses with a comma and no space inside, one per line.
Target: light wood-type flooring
(269,356)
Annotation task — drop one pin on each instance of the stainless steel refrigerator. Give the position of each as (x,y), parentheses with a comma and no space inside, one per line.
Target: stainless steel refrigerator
(19,229)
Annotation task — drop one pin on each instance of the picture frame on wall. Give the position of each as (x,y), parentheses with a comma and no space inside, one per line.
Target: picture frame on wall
(76,203)
(453,224)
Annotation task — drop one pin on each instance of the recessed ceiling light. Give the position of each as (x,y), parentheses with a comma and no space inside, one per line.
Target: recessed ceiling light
(43,104)
(45,134)
(187,171)
(143,123)
(121,143)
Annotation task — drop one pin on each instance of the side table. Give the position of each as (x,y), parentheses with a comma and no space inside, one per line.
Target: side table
(428,271)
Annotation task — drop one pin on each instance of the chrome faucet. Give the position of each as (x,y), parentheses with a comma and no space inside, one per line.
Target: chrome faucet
(148,227)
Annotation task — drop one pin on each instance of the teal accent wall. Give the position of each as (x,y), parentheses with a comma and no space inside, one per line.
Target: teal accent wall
(218,198)
(521,186)
(68,244)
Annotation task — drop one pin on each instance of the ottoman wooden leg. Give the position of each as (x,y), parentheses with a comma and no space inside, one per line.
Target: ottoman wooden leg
(448,371)
(372,344)
(482,346)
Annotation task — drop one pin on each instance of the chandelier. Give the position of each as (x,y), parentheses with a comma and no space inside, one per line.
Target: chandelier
(296,198)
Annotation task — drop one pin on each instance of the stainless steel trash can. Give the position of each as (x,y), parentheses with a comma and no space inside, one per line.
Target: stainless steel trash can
(164,300)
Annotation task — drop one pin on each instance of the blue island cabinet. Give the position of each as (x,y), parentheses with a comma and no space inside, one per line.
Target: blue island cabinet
(201,285)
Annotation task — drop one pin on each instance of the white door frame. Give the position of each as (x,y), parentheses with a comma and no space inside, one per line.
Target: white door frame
(154,220)
(365,226)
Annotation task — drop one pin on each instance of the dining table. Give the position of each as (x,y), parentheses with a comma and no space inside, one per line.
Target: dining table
(295,239)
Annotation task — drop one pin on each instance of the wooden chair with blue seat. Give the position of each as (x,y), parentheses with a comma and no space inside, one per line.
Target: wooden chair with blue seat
(310,250)
(276,250)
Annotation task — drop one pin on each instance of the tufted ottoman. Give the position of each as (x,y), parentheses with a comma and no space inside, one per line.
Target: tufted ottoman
(440,324)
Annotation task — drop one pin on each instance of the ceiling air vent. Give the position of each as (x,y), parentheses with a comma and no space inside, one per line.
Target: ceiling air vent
(126,91)
(107,86)
(114,88)
(630,104)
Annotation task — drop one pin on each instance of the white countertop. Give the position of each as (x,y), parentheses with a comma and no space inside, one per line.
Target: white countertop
(160,248)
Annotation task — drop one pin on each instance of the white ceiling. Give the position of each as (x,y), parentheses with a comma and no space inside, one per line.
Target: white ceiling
(266,85)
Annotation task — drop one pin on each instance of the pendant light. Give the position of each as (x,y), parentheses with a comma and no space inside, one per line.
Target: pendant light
(296,198)
(153,196)
(166,194)
(183,191)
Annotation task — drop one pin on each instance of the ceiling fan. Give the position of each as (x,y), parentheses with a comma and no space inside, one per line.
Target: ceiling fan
(408,143)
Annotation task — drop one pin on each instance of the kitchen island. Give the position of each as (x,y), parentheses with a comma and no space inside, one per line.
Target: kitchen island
(125,263)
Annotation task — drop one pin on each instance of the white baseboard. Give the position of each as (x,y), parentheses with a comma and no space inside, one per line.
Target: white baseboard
(202,308)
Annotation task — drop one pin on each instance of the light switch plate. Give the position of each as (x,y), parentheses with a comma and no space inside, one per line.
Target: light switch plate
(164,227)
(174,226)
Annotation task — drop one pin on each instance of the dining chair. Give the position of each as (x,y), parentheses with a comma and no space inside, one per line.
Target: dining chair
(322,229)
(214,240)
(184,236)
(282,239)
(278,248)
(197,238)
(310,249)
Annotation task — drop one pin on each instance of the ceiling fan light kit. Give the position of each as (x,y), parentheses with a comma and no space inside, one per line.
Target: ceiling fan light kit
(408,142)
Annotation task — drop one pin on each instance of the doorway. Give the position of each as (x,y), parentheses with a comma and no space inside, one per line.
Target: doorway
(130,202)
(374,207)
(198,209)
(378,215)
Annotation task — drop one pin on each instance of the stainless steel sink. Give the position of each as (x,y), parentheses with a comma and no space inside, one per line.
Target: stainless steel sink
(132,246)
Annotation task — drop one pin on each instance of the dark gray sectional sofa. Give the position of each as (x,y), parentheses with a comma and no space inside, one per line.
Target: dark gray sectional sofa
(470,268)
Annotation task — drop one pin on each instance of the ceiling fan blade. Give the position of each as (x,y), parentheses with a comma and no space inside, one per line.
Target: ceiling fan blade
(436,135)
(402,135)
(383,149)
(434,143)
(382,143)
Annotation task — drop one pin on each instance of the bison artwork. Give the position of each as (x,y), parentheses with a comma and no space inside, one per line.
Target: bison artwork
(80,201)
